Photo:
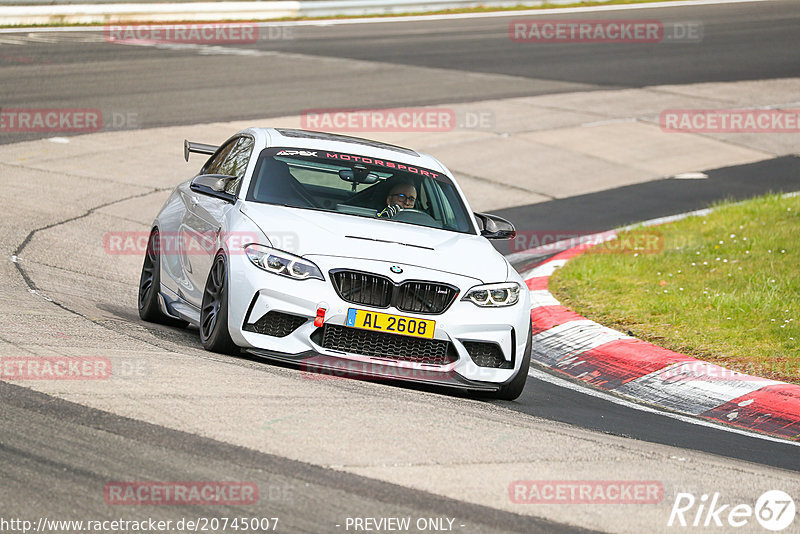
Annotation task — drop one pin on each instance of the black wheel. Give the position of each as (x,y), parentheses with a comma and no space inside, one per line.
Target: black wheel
(214,311)
(150,285)
(513,389)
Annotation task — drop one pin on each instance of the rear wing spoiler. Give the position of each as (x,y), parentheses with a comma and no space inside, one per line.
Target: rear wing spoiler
(197,148)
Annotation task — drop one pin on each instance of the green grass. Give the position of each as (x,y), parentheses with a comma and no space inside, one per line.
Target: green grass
(480,9)
(723,288)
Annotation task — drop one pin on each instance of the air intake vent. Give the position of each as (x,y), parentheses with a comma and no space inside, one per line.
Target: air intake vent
(392,346)
(486,355)
(276,324)
(424,297)
(379,291)
(363,288)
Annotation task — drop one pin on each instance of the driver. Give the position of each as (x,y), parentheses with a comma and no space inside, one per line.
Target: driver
(401,196)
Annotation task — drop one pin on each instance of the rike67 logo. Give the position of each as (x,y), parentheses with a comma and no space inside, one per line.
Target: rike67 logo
(774,510)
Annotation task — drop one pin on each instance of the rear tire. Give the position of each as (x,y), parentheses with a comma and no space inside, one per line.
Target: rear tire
(150,285)
(214,332)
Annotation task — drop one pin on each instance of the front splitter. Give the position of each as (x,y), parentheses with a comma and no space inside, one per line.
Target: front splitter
(323,365)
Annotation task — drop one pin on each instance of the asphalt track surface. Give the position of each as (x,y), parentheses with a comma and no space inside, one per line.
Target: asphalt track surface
(622,206)
(64,453)
(742,42)
(405,64)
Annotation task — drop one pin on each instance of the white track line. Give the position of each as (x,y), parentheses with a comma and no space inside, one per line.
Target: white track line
(586,390)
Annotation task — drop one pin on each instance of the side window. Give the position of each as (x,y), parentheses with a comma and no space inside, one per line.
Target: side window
(442,204)
(214,164)
(235,163)
(236,160)
(232,161)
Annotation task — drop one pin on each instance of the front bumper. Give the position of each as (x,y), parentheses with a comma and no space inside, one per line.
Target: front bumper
(322,366)
(254,293)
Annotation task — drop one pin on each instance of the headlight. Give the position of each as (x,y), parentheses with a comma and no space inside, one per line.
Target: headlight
(282,263)
(494,295)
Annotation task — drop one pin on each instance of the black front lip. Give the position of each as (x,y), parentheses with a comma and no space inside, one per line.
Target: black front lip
(312,361)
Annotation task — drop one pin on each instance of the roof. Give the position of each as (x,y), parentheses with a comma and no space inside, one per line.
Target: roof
(312,140)
(325,136)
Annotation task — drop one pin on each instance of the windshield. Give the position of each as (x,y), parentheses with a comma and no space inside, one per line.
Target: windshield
(359,186)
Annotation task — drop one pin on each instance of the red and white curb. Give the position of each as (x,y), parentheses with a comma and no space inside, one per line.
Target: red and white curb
(572,345)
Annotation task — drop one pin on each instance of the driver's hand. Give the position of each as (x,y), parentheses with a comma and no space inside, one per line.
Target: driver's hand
(390,211)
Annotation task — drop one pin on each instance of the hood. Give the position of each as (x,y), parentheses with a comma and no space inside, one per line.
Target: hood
(310,233)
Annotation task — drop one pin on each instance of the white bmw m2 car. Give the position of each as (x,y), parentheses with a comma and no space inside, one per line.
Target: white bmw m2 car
(342,255)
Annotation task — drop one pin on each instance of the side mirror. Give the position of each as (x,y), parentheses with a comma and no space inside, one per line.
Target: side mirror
(494,227)
(214,185)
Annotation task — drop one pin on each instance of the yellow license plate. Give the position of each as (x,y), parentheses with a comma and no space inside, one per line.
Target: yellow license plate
(392,324)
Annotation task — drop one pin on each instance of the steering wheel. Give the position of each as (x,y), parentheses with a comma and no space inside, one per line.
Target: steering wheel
(416,217)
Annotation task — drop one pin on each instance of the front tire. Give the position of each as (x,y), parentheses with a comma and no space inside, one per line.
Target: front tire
(150,285)
(513,389)
(214,332)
